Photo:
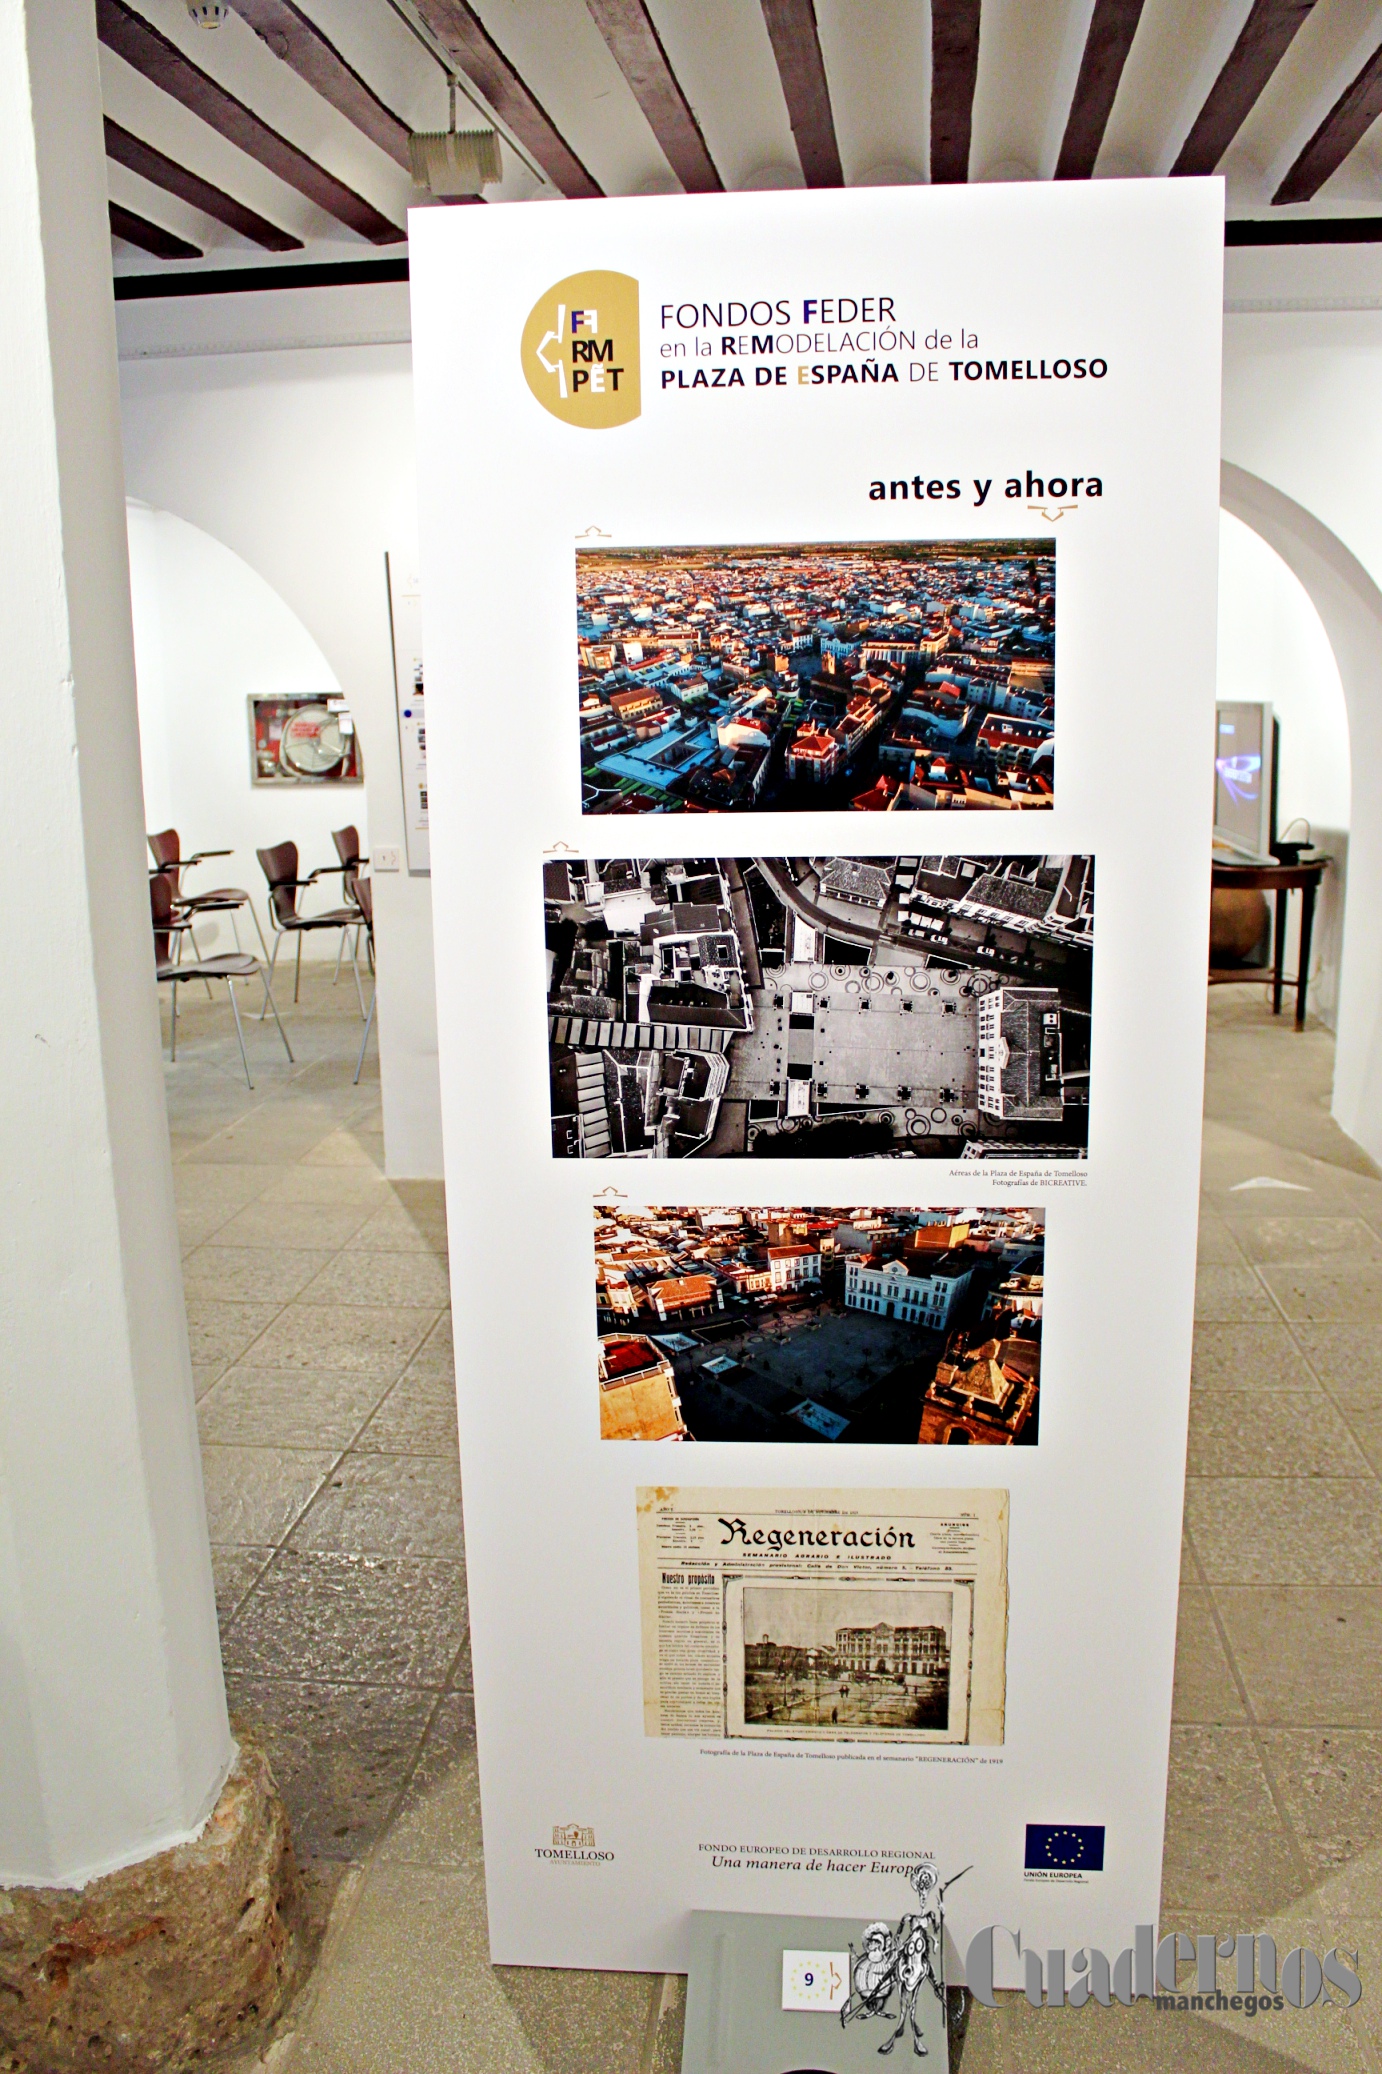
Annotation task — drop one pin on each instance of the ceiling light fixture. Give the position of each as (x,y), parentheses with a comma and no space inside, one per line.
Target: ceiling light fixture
(454,162)
(208,14)
(414,23)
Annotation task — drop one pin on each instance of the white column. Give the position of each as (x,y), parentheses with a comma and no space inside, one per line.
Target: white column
(114,1742)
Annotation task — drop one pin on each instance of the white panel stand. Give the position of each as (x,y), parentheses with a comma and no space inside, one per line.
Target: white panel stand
(708,1811)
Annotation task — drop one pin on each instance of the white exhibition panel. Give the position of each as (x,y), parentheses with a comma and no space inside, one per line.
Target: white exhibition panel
(1129,273)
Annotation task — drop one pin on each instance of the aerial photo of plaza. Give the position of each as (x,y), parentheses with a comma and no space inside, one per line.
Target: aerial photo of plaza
(898,674)
(819,1007)
(903,1327)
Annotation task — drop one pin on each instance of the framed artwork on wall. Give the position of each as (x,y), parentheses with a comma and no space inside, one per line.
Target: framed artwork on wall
(303,738)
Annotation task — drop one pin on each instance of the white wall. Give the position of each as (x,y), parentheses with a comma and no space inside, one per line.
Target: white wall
(208,631)
(301,462)
(1273,646)
(1303,432)
(1303,410)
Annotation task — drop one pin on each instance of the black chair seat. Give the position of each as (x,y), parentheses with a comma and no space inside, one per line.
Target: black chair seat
(223,896)
(337,918)
(229,965)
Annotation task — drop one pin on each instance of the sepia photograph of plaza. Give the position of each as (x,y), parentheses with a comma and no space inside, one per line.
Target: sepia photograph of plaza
(819,1007)
(901,1327)
(849,1659)
(877,676)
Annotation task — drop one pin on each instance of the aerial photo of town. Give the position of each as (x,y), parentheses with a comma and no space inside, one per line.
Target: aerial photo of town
(904,1327)
(819,1007)
(898,674)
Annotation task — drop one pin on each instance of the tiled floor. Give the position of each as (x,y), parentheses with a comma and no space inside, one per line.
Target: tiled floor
(317,1303)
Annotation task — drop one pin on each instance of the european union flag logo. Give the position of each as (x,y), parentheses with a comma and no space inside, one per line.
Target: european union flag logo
(1065,1847)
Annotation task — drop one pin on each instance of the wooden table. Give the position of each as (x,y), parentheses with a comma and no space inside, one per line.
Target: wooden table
(1280,880)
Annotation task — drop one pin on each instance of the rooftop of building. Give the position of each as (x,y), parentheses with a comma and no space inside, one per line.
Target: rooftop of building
(924,1267)
(645,1408)
(685,1289)
(625,1356)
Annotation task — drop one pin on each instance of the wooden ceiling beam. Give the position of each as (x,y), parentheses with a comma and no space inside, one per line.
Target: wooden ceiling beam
(161,62)
(149,237)
(301,45)
(1352,115)
(1111,30)
(131,151)
(954,71)
(1262,43)
(636,47)
(796,46)
(460,31)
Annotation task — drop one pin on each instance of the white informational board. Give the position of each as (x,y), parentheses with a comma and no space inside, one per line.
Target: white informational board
(405,622)
(820,611)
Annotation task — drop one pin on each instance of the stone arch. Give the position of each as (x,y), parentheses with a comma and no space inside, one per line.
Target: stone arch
(1350,607)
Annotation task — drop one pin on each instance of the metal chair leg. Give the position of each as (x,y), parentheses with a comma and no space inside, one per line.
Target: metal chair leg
(297,975)
(240,1035)
(355,968)
(369,1019)
(254,917)
(278,938)
(269,1002)
(196,952)
(173,1045)
(340,953)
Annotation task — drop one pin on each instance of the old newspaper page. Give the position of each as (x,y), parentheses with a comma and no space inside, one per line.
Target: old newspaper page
(824,1616)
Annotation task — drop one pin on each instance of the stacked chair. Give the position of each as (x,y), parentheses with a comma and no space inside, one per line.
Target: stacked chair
(364,894)
(170,926)
(280,867)
(176,913)
(166,851)
(361,891)
(347,841)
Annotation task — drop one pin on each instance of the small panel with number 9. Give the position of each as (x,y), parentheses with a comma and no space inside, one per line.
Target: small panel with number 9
(815,1980)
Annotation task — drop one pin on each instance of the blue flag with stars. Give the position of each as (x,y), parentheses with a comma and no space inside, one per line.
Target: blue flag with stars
(1065,1847)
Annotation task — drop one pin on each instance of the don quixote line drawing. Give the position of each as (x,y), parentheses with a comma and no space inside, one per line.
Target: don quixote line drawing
(907,1962)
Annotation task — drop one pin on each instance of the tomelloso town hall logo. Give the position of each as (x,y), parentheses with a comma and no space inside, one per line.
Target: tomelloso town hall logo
(573,1843)
(580,350)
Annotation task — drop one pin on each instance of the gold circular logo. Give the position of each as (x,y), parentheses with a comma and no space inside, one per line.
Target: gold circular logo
(580,350)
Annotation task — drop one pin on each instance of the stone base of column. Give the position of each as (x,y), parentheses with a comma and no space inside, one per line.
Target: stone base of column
(164,1962)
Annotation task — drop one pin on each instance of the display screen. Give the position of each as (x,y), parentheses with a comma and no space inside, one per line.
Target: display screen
(1243,776)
